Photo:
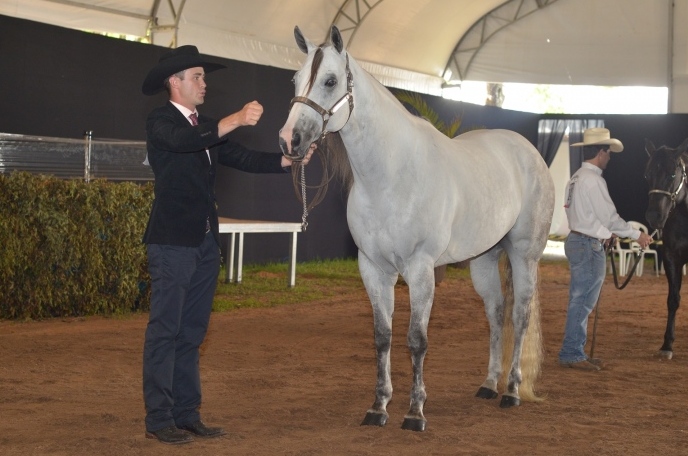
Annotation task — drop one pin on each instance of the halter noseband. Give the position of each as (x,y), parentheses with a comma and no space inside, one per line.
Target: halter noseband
(325,114)
(674,194)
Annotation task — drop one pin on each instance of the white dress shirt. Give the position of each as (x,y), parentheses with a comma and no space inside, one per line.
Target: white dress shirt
(589,208)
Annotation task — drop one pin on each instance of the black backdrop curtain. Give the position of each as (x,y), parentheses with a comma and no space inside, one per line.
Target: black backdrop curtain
(576,129)
(551,132)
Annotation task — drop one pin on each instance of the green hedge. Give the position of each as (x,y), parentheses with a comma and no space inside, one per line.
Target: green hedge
(72,248)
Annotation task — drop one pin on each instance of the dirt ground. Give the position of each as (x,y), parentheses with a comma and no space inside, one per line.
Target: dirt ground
(297,380)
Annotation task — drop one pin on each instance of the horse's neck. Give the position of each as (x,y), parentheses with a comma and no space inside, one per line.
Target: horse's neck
(372,135)
(682,198)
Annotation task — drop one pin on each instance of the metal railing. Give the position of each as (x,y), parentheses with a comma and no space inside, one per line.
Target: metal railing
(87,158)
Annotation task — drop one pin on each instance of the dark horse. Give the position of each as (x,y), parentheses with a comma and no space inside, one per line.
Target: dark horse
(667,211)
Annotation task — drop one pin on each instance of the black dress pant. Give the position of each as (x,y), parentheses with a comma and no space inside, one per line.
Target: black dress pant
(183,283)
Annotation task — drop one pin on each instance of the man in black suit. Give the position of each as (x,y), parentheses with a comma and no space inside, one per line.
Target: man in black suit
(182,237)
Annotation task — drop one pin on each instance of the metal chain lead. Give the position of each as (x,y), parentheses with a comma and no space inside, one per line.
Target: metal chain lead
(304,223)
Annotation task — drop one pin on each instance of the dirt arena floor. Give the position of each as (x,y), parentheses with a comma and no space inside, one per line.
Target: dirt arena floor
(297,380)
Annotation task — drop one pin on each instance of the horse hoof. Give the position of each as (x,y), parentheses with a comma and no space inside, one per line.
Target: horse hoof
(414,424)
(375,419)
(509,401)
(486,393)
(666,354)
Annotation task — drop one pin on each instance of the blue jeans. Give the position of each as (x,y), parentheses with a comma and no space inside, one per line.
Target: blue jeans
(587,262)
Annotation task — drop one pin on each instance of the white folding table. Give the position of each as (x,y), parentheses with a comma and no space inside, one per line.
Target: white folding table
(237,226)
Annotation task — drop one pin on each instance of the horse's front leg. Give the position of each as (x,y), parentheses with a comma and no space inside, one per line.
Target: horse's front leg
(421,291)
(673,270)
(380,288)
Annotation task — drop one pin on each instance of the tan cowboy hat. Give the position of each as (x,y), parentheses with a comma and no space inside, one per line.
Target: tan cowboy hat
(594,136)
(179,59)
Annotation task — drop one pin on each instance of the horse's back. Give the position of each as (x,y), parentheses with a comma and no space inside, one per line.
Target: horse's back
(500,145)
(504,188)
(515,164)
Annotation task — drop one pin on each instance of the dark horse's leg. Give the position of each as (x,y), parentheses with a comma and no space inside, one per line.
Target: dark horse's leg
(673,269)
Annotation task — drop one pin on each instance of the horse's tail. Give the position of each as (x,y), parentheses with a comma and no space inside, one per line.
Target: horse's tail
(533,351)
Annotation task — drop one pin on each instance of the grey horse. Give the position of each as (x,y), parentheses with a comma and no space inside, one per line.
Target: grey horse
(419,200)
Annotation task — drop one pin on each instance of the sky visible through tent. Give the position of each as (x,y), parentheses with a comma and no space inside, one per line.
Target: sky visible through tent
(565,99)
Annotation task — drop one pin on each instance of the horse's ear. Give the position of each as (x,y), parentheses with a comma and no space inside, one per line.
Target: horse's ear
(302,41)
(684,145)
(649,147)
(336,38)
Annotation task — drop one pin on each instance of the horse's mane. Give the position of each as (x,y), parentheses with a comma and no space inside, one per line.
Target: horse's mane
(335,164)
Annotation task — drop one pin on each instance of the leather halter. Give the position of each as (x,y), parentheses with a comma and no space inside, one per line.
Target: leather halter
(680,186)
(327,114)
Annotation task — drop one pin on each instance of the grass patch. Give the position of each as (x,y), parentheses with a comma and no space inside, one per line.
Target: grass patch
(265,285)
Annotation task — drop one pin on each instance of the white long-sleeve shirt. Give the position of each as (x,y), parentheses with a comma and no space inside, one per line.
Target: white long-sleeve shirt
(589,208)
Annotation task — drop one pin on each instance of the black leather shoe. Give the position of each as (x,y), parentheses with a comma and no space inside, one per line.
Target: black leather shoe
(199,429)
(170,435)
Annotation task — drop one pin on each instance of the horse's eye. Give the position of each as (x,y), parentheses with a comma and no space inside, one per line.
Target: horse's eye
(331,82)
(293,80)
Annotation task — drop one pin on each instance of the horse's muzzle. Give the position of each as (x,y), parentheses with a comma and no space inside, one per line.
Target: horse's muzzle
(655,219)
(290,154)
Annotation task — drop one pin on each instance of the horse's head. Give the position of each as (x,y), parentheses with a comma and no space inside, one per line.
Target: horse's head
(666,177)
(324,98)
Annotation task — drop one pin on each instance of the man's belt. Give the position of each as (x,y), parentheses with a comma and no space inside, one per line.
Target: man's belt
(587,235)
(605,242)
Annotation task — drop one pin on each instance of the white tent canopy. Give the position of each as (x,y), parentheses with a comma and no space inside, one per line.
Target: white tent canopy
(417,44)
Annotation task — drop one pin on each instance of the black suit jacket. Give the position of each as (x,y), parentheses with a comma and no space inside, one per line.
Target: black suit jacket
(185,179)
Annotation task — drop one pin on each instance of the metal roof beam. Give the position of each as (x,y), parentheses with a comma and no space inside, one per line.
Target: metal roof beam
(350,16)
(486,27)
(154,26)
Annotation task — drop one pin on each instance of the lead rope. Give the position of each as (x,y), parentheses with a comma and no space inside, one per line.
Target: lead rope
(638,256)
(610,251)
(304,223)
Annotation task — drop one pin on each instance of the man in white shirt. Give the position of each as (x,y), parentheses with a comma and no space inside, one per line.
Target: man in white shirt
(592,220)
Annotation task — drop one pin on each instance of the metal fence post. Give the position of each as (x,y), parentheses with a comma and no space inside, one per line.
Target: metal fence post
(88,137)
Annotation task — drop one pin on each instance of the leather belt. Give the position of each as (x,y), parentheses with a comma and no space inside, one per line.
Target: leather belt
(586,235)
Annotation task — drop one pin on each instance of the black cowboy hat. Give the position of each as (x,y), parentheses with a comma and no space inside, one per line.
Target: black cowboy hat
(179,59)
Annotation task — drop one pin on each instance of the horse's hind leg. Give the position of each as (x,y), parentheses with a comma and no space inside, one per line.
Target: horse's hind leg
(526,351)
(487,283)
(380,288)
